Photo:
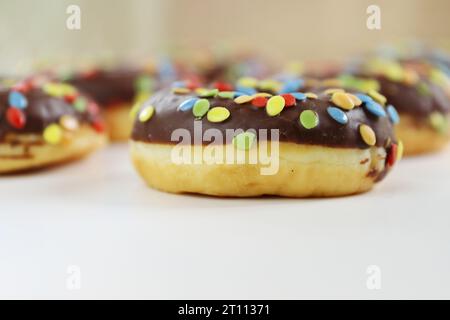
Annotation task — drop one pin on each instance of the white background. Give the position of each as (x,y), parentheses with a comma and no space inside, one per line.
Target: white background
(133,242)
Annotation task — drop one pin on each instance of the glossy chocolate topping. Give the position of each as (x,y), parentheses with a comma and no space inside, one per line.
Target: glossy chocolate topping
(411,100)
(108,87)
(329,132)
(41,111)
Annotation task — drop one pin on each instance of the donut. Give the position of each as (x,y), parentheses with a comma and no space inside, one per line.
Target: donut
(46,124)
(421,94)
(268,138)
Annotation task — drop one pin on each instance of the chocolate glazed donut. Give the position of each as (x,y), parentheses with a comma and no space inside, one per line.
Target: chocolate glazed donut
(329,144)
(421,94)
(46,124)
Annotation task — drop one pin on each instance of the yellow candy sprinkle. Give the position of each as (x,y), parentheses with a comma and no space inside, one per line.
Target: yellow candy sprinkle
(53,134)
(248,82)
(218,114)
(243,99)
(134,110)
(262,94)
(367,134)
(378,97)
(180,90)
(69,123)
(58,89)
(311,95)
(146,114)
(356,101)
(400,149)
(141,97)
(333,90)
(275,105)
(270,84)
(342,100)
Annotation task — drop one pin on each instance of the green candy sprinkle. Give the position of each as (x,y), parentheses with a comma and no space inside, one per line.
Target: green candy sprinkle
(144,83)
(80,104)
(244,141)
(218,114)
(208,93)
(200,108)
(309,119)
(423,89)
(226,94)
(439,122)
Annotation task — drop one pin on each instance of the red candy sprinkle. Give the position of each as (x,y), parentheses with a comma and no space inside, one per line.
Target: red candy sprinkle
(16,118)
(289,100)
(223,86)
(70,98)
(22,87)
(392,155)
(93,108)
(192,84)
(90,74)
(259,102)
(98,125)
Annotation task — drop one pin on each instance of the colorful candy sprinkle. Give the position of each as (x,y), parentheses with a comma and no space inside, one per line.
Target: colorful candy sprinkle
(180,90)
(393,114)
(53,134)
(338,115)
(243,99)
(299,96)
(134,110)
(275,105)
(226,94)
(309,119)
(99,125)
(146,113)
(58,89)
(333,90)
(400,149)
(69,123)
(291,85)
(222,86)
(289,99)
(218,114)
(80,104)
(378,97)
(392,155)
(248,82)
(200,108)
(367,134)
(259,102)
(207,93)
(375,109)
(342,100)
(244,141)
(17,100)
(311,95)
(144,83)
(363,97)
(187,104)
(439,122)
(356,101)
(16,118)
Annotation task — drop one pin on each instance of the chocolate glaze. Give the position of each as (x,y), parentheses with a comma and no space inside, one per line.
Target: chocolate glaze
(407,99)
(41,111)
(245,116)
(108,87)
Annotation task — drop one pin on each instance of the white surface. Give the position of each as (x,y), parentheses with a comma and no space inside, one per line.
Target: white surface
(133,242)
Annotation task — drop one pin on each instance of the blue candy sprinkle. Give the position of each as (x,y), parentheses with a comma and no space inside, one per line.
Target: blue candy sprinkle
(17,100)
(298,96)
(375,109)
(291,85)
(179,84)
(338,115)
(187,104)
(393,114)
(246,90)
(363,97)
(238,94)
